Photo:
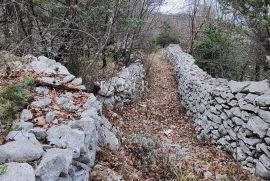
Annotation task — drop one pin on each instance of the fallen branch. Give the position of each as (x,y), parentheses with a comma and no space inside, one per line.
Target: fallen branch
(60,87)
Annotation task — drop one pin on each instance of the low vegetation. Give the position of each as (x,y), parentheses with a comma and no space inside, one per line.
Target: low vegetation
(13,98)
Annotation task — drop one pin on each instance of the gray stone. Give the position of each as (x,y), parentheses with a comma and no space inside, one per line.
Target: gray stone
(258,126)
(262,171)
(62,100)
(54,162)
(47,66)
(79,172)
(238,86)
(109,139)
(265,115)
(263,147)
(267,140)
(18,172)
(250,98)
(238,121)
(259,88)
(91,139)
(23,126)
(50,116)
(77,81)
(265,161)
(20,151)
(70,107)
(233,103)
(247,107)
(236,111)
(20,136)
(68,79)
(65,137)
(42,103)
(263,100)
(40,133)
(50,80)
(42,90)
(26,115)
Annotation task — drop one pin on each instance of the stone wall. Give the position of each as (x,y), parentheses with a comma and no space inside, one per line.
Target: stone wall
(234,115)
(124,87)
(58,135)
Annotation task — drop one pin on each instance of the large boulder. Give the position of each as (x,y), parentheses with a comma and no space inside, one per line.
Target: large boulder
(65,137)
(18,172)
(20,151)
(54,162)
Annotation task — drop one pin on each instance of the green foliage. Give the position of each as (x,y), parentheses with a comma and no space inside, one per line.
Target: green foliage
(12,99)
(221,53)
(167,36)
(3,169)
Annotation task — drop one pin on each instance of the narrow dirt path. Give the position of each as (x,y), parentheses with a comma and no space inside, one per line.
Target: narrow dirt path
(160,114)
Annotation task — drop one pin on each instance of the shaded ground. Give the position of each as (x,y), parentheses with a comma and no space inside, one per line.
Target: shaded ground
(160,114)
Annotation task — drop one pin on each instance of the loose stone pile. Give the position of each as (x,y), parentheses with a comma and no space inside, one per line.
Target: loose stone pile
(124,87)
(235,115)
(65,146)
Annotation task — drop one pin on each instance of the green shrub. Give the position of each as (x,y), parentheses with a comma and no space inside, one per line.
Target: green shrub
(12,99)
(222,53)
(167,36)
(3,169)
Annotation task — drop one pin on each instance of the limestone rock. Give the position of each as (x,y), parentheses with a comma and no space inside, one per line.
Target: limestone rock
(41,103)
(23,126)
(262,171)
(20,151)
(54,162)
(40,133)
(18,172)
(65,137)
(26,115)
(50,117)
(20,136)
(258,126)
(263,100)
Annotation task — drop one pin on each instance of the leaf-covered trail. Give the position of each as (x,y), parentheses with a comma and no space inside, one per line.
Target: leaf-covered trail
(159,113)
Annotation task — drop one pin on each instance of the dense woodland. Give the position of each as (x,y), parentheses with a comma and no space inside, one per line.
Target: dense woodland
(229,38)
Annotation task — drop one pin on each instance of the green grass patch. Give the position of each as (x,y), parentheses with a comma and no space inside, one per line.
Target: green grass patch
(12,99)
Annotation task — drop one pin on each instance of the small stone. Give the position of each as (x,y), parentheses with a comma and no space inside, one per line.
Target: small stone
(20,151)
(26,115)
(265,161)
(236,111)
(41,103)
(68,79)
(40,133)
(77,81)
(20,136)
(250,98)
(109,139)
(42,90)
(258,126)
(50,80)
(238,86)
(50,117)
(265,115)
(18,172)
(23,126)
(263,100)
(262,171)
(207,174)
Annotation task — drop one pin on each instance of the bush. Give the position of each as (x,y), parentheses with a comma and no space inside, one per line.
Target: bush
(222,53)
(167,36)
(12,99)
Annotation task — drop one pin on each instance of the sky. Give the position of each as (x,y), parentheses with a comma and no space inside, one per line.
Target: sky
(172,6)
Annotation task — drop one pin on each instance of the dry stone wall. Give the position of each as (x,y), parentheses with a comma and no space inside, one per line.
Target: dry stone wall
(235,115)
(124,87)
